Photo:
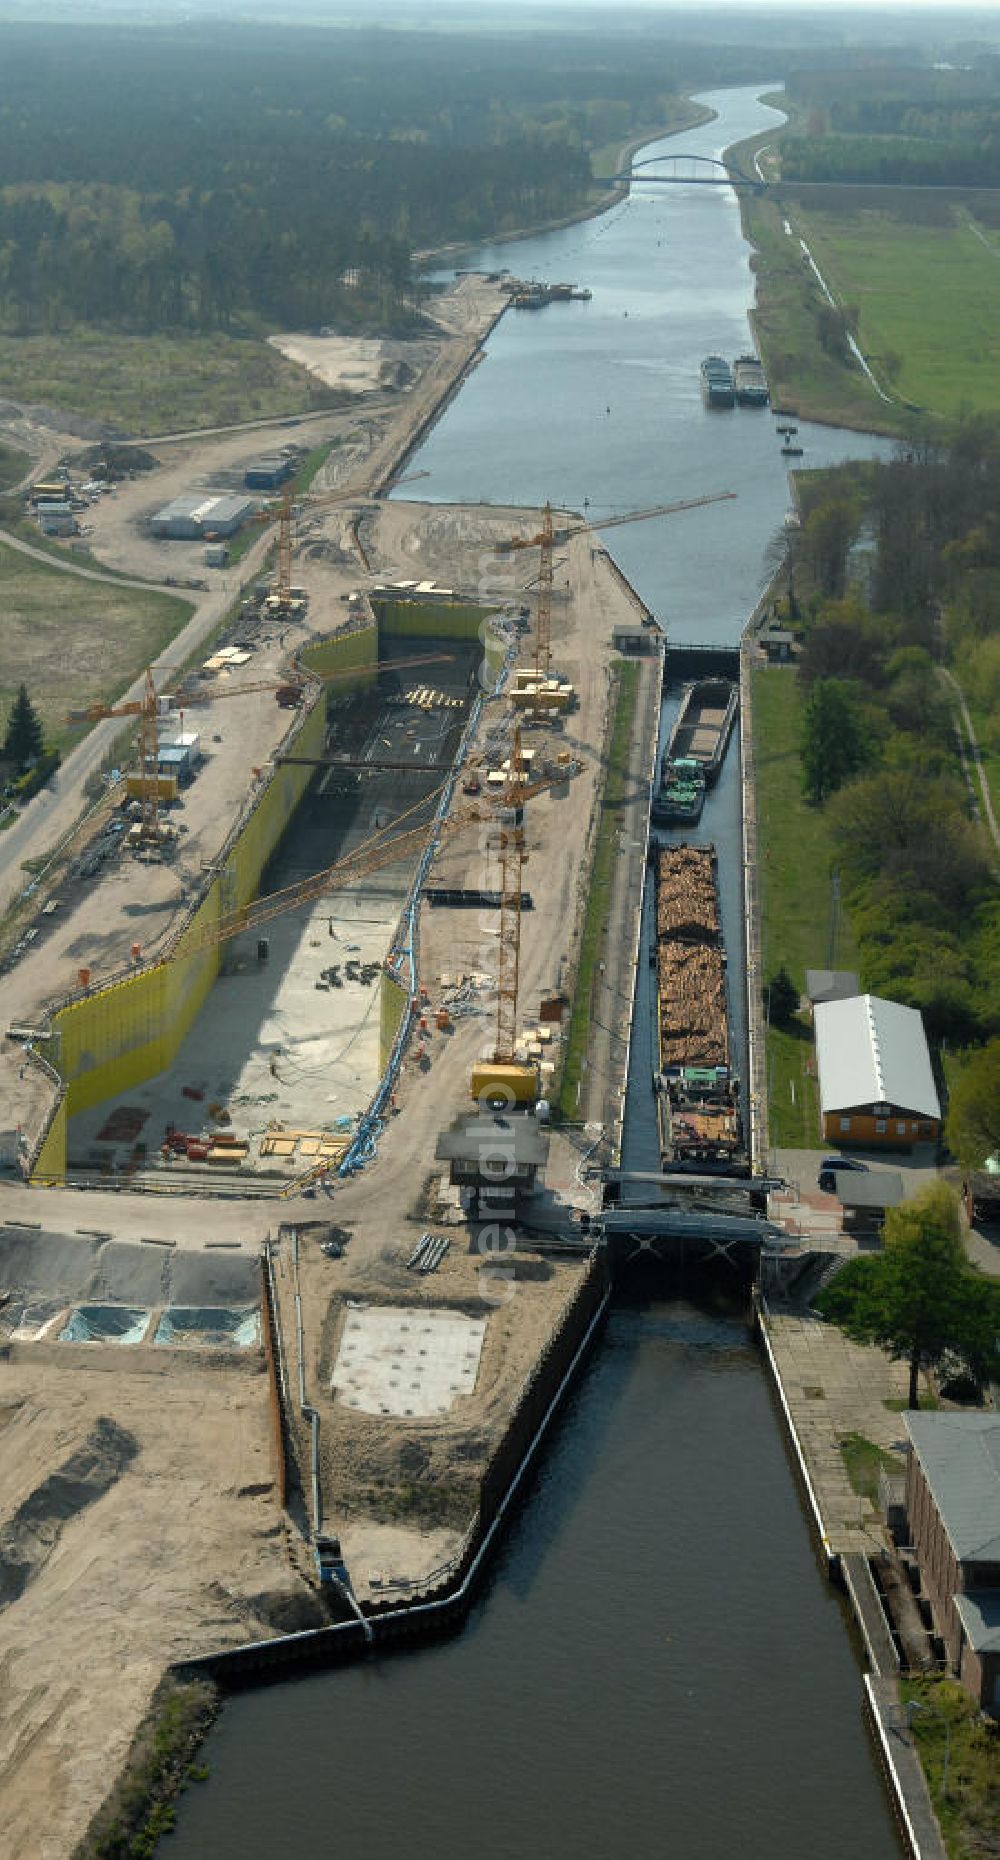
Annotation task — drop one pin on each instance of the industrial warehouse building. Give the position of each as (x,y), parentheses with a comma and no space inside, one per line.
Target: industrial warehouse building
(204,513)
(268,473)
(875,1080)
(953,1521)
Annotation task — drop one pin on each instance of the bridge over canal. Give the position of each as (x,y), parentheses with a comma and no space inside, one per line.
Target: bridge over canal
(684,170)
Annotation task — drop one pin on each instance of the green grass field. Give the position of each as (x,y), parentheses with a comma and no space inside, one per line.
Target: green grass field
(155,384)
(13,466)
(927,295)
(75,642)
(801,374)
(796,898)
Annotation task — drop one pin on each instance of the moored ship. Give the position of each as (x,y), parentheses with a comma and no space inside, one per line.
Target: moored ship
(717,382)
(698,1094)
(750,381)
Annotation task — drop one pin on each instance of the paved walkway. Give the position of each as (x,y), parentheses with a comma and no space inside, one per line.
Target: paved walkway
(900,1751)
(833,1388)
(975,754)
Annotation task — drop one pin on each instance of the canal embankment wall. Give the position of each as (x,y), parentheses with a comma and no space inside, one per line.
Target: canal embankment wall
(440,1606)
(846,1552)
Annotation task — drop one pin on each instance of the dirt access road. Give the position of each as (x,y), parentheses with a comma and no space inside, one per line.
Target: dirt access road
(368,442)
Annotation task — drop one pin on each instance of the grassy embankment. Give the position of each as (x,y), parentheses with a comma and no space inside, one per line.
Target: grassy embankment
(602,871)
(796,898)
(926,295)
(73,641)
(916,267)
(139,1807)
(948,1731)
(157,383)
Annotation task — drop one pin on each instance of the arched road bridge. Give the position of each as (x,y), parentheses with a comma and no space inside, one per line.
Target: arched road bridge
(681,170)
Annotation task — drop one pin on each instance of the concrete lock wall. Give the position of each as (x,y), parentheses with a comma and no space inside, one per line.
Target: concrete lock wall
(108,1040)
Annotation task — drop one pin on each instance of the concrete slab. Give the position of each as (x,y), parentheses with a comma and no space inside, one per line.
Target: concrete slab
(407,1361)
(276,1044)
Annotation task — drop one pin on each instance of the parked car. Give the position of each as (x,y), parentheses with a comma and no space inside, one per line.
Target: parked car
(828,1171)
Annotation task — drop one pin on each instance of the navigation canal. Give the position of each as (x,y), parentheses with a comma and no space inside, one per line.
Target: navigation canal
(657,1664)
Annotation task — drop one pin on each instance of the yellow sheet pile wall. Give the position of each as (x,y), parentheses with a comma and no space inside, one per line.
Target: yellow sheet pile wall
(340,654)
(112,1039)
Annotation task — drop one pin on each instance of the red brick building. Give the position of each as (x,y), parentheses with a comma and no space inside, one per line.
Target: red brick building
(953,1510)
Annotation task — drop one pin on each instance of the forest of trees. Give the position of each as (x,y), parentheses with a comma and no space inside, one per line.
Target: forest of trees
(214,176)
(918,127)
(896,574)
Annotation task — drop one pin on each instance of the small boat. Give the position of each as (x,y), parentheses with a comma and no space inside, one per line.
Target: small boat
(791,452)
(681,794)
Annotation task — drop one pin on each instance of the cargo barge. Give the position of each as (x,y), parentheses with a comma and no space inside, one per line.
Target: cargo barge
(750,381)
(717,382)
(704,725)
(697,1090)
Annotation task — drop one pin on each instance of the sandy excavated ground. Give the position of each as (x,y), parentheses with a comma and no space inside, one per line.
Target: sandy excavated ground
(138,1525)
(360,363)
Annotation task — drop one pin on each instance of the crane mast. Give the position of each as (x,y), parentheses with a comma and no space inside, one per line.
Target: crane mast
(543,626)
(510,835)
(149,761)
(285,552)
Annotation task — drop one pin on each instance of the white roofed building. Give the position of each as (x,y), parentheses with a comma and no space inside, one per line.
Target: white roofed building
(876,1085)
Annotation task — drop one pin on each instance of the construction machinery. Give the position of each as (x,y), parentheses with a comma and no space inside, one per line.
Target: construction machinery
(152,788)
(545,542)
(505,1079)
(147,709)
(502,1078)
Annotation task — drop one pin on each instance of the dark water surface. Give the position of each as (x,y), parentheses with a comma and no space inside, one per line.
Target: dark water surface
(671,281)
(657,1665)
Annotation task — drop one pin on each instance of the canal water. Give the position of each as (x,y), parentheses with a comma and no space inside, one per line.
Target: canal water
(657,1664)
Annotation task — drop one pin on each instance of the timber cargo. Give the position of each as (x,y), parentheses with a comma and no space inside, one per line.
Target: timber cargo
(698,1098)
(704,725)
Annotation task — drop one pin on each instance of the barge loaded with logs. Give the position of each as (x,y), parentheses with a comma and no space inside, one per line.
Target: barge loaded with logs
(696,751)
(698,1092)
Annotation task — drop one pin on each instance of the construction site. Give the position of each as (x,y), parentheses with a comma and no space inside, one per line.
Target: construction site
(293,999)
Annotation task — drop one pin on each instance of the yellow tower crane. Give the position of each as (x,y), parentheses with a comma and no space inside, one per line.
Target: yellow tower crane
(546,540)
(510,846)
(151,705)
(381,849)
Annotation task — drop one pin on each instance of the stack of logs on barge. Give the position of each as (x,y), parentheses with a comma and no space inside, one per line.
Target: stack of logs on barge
(698,1093)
